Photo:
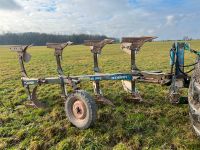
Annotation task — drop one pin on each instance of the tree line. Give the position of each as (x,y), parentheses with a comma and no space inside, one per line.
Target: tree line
(41,39)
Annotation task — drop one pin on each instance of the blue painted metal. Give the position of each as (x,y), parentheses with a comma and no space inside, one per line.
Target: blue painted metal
(180,58)
(111,77)
(172,57)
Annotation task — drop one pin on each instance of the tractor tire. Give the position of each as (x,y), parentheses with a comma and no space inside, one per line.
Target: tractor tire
(81,109)
(194,98)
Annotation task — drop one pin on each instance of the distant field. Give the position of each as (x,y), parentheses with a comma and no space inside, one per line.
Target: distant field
(153,124)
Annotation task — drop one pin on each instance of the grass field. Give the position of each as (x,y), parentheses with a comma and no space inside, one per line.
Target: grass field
(152,124)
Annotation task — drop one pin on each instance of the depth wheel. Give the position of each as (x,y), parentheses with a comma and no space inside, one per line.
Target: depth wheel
(81,109)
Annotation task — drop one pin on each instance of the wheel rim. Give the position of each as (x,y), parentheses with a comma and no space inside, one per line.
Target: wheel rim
(79,110)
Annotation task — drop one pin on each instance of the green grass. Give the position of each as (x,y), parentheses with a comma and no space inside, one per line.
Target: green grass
(153,124)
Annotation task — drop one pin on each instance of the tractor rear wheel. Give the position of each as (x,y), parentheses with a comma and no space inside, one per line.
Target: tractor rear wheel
(81,109)
(194,98)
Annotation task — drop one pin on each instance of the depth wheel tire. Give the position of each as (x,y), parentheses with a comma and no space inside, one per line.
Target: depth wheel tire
(81,109)
(194,99)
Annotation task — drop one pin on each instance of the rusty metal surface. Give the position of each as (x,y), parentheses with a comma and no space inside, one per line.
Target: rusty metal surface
(152,75)
(79,110)
(134,97)
(96,46)
(22,52)
(132,43)
(104,100)
(91,42)
(23,56)
(137,40)
(58,46)
(32,96)
(19,48)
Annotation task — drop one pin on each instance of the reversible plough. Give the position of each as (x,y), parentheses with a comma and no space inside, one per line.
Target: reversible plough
(79,105)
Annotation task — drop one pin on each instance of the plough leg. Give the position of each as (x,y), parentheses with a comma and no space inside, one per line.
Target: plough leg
(135,94)
(96,87)
(99,95)
(63,88)
(129,86)
(174,94)
(96,84)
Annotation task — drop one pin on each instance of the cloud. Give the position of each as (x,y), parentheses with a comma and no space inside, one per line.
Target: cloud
(164,18)
(170,20)
(9,5)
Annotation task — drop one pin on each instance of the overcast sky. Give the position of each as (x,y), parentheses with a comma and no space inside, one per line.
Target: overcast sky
(167,19)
